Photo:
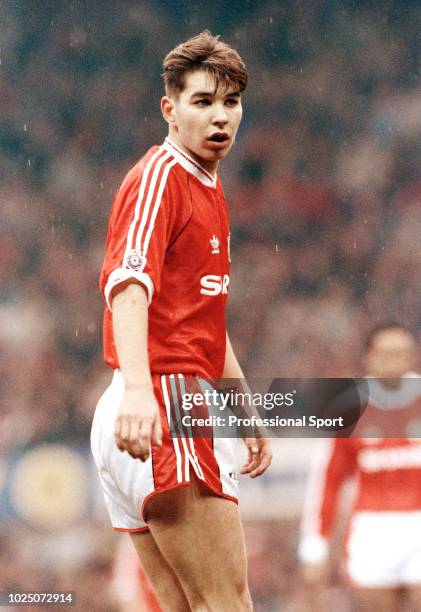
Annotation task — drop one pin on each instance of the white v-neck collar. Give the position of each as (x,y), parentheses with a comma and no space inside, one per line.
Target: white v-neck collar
(190,164)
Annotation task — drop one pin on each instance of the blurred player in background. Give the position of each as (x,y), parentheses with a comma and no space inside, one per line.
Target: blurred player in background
(383,544)
(165,281)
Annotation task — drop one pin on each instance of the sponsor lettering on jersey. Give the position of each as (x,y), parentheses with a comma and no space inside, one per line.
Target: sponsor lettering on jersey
(397,458)
(213,284)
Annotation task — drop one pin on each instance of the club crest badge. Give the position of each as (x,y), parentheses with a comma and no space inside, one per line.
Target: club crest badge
(136,260)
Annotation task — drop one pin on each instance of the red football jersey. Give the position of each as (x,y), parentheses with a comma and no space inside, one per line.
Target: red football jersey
(387,470)
(388,473)
(169,231)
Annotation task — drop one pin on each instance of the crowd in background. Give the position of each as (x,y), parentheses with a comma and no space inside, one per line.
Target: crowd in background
(324,186)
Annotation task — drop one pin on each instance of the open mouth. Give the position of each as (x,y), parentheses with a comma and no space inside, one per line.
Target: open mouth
(218,137)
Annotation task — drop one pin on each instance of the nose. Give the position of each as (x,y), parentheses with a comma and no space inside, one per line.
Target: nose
(220,116)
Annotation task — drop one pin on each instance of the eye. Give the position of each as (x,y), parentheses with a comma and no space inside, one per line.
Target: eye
(202,102)
(232,101)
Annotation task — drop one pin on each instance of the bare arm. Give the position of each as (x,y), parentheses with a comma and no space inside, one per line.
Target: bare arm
(259,449)
(138,420)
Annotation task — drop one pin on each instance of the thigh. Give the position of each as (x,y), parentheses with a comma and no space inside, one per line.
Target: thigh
(414,596)
(201,537)
(384,600)
(163,578)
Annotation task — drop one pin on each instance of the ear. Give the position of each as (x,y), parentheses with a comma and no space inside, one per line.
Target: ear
(168,110)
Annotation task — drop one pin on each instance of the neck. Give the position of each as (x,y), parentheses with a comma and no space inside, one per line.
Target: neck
(210,165)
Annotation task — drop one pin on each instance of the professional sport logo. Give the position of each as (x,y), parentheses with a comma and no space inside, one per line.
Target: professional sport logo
(136,260)
(214,244)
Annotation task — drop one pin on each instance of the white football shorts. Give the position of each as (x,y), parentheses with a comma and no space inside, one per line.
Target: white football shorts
(384,549)
(129,483)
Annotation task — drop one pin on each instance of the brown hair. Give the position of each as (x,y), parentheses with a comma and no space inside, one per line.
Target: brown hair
(204,52)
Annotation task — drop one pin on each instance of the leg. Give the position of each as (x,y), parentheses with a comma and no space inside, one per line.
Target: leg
(414,597)
(386,600)
(201,537)
(166,584)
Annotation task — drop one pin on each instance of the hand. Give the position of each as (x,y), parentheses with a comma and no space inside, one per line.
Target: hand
(138,423)
(259,456)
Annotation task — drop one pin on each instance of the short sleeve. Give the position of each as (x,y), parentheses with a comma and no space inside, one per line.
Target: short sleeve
(142,223)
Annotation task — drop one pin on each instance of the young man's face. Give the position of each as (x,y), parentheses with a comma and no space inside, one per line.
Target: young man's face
(392,354)
(203,121)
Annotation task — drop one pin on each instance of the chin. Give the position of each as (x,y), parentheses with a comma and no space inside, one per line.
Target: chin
(216,153)
(218,156)
(212,157)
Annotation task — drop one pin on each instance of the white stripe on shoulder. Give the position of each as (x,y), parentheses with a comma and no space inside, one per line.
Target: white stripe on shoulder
(140,199)
(151,194)
(157,205)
